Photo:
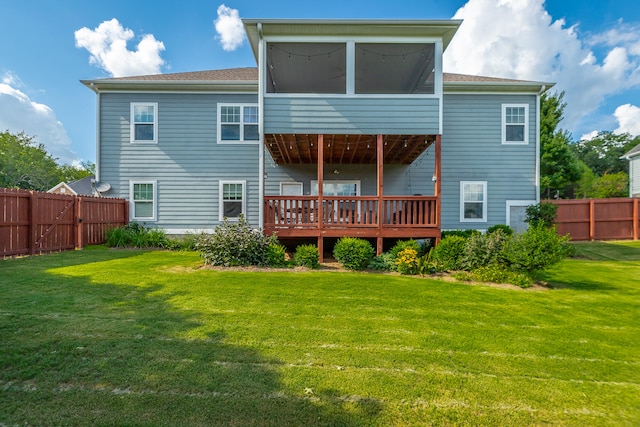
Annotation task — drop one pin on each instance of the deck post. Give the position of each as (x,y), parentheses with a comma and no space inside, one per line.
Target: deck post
(438,184)
(320,210)
(380,179)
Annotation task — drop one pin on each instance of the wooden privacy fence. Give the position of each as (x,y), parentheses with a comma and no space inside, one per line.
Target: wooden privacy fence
(599,219)
(32,222)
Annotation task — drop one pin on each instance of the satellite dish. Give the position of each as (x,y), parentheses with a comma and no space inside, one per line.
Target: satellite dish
(102,187)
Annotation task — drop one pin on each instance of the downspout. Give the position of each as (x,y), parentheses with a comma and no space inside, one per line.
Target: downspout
(97,177)
(261,177)
(542,89)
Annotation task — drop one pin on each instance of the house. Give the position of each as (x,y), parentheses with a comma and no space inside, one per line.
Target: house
(345,128)
(79,187)
(633,156)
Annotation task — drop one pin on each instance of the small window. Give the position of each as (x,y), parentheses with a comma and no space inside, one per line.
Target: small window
(515,124)
(232,203)
(143,200)
(238,123)
(473,201)
(144,124)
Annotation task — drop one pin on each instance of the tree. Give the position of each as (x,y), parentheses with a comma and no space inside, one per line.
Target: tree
(559,167)
(72,173)
(25,163)
(602,153)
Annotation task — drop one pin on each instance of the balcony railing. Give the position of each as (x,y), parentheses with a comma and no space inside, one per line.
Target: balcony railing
(350,211)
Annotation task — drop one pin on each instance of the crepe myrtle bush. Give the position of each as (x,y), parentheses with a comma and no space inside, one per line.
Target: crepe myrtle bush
(235,244)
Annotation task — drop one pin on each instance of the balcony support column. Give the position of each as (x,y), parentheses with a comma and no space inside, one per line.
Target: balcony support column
(320,210)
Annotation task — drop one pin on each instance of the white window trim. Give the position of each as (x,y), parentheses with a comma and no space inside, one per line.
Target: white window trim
(484,202)
(219,122)
(132,131)
(504,124)
(511,203)
(132,210)
(292,183)
(221,199)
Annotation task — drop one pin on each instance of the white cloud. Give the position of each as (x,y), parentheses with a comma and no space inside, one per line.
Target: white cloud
(519,39)
(589,136)
(19,113)
(229,28)
(107,45)
(628,117)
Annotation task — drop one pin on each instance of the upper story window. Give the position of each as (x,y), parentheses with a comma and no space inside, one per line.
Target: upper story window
(394,68)
(238,123)
(515,124)
(144,122)
(306,68)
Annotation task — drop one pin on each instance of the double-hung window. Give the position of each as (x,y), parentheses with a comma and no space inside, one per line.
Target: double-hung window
(238,123)
(515,124)
(232,200)
(473,201)
(143,196)
(144,122)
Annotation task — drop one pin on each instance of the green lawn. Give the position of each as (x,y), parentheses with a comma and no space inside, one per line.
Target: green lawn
(103,337)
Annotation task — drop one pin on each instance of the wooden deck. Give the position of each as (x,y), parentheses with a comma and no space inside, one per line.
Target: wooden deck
(358,216)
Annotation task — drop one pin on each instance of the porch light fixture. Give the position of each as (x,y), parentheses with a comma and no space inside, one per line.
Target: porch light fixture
(434,178)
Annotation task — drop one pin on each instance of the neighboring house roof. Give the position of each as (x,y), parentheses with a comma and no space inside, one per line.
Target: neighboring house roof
(80,187)
(634,152)
(247,79)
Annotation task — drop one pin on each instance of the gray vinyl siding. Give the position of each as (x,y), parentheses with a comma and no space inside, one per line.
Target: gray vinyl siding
(472,150)
(187,162)
(634,173)
(351,115)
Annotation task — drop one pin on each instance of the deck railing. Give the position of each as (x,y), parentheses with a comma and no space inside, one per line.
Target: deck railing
(350,211)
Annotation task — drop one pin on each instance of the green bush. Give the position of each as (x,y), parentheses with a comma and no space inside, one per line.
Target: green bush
(483,250)
(382,262)
(536,249)
(184,243)
(275,255)
(447,255)
(500,274)
(136,235)
(542,213)
(461,233)
(407,261)
(234,244)
(353,253)
(401,245)
(307,256)
(503,227)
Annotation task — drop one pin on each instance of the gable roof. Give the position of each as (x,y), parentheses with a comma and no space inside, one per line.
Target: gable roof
(246,79)
(635,151)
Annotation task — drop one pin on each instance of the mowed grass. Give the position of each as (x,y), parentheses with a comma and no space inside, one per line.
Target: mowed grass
(103,337)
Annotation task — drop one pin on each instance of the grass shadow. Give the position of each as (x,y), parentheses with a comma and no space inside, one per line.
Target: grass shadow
(77,351)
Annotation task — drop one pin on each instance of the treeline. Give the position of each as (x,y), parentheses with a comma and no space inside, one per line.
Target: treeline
(24,163)
(591,168)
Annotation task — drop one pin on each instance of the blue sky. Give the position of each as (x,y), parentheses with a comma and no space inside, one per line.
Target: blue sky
(591,49)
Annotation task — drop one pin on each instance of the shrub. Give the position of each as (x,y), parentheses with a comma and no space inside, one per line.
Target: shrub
(538,248)
(136,235)
(353,253)
(234,244)
(426,264)
(382,262)
(482,250)
(542,213)
(447,255)
(307,256)
(407,261)
(184,243)
(275,255)
(508,231)
(461,233)
(401,245)
(500,274)
(118,237)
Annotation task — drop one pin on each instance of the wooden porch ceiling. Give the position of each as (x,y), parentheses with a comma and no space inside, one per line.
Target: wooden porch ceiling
(289,149)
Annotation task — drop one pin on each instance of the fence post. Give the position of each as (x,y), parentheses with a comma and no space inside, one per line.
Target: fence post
(635,218)
(592,220)
(79,220)
(33,223)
